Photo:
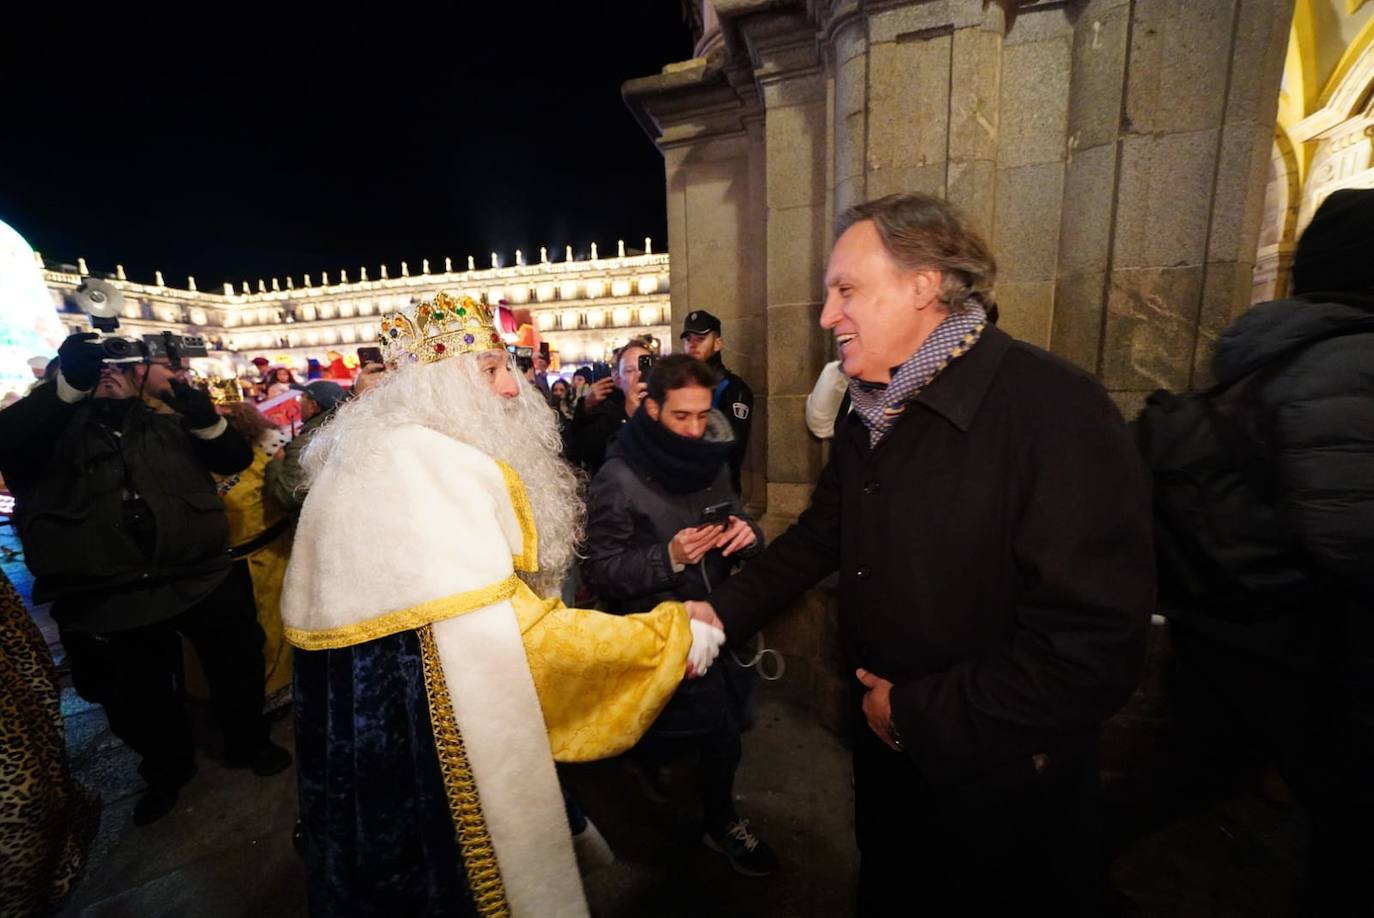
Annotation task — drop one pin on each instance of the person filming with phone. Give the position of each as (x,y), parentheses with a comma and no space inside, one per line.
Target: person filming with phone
(611,399)
(664,522)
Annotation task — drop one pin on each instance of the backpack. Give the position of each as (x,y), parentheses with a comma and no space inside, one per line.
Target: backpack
(1221,546)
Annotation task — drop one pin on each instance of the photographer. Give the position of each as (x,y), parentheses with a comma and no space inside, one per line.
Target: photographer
(126,536)
(607,404)
(663,522)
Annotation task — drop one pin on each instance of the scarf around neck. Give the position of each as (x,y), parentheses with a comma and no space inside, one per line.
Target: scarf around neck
(680,464)
(881,406)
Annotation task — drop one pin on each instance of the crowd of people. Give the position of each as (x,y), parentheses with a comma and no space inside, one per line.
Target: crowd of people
(555,570)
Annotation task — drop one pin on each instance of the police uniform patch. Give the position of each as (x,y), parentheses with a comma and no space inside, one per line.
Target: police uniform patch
(741,410)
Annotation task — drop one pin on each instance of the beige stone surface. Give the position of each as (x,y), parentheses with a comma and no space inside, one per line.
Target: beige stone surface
(1098,77)
(1040,23)
(716,207)
(908,102)
(1151,328)
(975,83)
(793,455)
(1179,58)
(1027,310)
(1026,237)
(1034,102)
(1079,308)
(1225,297)
(973,189)
(1164,199)
(1259,46)
(1236,209)
(1086,224)
(795,136)
(902,179)
(798,240)
(796,348)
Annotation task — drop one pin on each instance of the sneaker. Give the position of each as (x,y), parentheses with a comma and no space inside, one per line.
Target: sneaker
(748,854)
(267,760)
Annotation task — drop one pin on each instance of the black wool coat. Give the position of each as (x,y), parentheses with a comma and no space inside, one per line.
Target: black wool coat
(995,563)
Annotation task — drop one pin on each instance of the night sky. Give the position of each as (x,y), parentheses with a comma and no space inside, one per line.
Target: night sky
(238,150)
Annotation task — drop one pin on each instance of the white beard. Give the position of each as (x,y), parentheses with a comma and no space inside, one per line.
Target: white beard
(451,397)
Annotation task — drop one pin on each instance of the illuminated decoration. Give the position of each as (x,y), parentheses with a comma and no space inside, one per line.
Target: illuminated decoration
(568,290)
(570,318)
(29,326)
(546,320)
(494,295)
(620,316)
(648,315)
(594,289)
(570,350)
(620,288)
(648,284)
(596,318)
(544,292)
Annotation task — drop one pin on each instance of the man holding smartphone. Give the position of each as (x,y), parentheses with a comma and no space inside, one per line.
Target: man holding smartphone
(609,402)
(663,522)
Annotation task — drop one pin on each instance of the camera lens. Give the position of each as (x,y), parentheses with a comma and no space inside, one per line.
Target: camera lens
(116,348)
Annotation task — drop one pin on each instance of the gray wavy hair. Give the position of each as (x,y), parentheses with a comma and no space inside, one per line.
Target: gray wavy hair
(920,231)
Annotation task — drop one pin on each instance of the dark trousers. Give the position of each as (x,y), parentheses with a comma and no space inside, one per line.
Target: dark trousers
(1318,730)
(1027,850)
(131,674)
(700,719)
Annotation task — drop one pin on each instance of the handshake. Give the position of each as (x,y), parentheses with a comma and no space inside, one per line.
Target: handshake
(708,636)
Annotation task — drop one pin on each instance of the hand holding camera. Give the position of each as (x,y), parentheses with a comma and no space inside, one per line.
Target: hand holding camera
(191,403)
(80,358)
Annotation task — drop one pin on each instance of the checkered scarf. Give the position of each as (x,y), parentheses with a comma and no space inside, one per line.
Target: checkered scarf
(881,406)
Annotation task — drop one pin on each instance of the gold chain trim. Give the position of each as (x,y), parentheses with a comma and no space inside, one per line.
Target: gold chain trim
(436,610)
(479,855)
(528,561)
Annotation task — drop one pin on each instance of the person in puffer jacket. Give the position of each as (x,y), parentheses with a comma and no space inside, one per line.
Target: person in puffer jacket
(646,543)
(1300,683)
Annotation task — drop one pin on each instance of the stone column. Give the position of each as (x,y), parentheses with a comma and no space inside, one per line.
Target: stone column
(1196,136)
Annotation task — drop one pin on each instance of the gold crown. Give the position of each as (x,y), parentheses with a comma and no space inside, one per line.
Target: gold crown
(443,328)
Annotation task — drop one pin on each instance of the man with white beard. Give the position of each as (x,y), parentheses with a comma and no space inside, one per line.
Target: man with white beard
(435,685)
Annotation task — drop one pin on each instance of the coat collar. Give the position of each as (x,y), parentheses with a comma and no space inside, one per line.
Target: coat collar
(958,392)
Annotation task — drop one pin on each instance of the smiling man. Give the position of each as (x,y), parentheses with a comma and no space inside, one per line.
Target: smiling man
(988,516)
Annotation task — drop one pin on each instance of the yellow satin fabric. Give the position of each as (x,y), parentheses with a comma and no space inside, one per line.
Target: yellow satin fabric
(248,515)
(602,679)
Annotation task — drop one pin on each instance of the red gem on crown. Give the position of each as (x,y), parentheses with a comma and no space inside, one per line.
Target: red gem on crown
(439,348)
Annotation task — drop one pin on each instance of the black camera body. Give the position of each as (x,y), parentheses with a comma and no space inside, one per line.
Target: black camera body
(524,357)
(136,350)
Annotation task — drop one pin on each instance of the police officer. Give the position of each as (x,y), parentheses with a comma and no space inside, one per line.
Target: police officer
(731,395)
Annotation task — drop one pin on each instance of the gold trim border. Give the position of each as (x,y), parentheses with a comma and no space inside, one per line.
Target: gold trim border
(465,807)
(528,561)
(435,610)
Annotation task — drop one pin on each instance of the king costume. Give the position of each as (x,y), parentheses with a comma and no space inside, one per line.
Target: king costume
(434,688)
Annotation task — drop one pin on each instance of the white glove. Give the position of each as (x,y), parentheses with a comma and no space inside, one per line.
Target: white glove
(706,643)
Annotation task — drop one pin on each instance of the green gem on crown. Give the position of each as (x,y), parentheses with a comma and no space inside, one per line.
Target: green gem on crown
(462,311)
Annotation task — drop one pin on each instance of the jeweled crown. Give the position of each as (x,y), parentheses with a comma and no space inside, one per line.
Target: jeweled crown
(442,328)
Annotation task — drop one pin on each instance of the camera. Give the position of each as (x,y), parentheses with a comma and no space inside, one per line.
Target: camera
(524,357)
(175,348)
(646,365)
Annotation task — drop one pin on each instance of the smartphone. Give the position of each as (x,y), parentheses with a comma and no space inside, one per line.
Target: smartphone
(368,355)
(600,370)
(646,365)
(716,515)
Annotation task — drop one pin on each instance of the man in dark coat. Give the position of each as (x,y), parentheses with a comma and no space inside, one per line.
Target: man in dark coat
(1299,680)
(126,535)
(987,513)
